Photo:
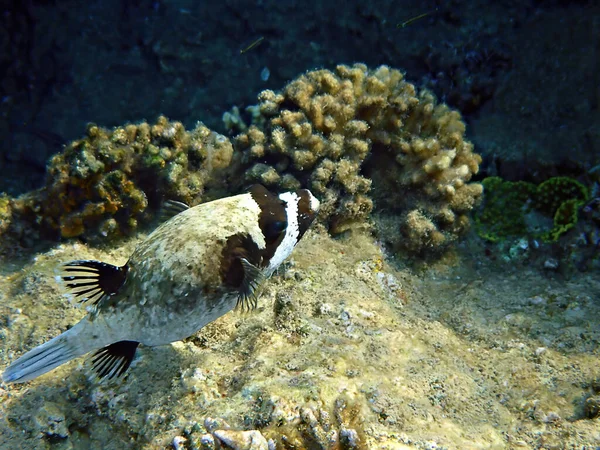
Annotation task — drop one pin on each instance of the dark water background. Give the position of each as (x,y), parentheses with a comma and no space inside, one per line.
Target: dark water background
(525,74)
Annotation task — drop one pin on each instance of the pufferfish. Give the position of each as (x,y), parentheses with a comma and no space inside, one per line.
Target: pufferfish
(191,270)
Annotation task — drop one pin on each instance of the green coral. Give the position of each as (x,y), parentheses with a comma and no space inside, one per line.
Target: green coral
(519,208)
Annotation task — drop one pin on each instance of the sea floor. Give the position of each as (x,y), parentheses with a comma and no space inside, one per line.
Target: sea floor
(347,349)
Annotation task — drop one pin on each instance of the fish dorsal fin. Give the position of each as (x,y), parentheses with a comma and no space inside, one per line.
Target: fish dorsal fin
(114,359)
(171,208)
(90,282)
(249,289)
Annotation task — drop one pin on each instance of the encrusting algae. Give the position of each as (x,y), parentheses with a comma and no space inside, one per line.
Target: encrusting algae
(522,209)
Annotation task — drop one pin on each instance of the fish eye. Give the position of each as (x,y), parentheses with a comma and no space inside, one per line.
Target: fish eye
(275,228)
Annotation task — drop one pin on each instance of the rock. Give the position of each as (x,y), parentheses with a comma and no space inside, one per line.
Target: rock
(592,407)
(179,442)
(349,439)
(214,424)
(51,421)
(242,440)
(595,385)
(206,442)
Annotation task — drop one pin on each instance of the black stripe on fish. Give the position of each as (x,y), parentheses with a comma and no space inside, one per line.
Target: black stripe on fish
(306,211)
(272,220)
(242,261)
(114,359)
(92,281)
(171,208)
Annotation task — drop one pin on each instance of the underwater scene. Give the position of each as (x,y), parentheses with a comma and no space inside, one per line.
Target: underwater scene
(284,225)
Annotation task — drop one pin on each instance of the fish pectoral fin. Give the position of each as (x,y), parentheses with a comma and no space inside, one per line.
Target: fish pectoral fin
(90,281)
(171,208)
(253,279)
(114,359)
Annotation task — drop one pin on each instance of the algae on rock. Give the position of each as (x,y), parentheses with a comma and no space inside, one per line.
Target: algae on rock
(343,349)
(522,209)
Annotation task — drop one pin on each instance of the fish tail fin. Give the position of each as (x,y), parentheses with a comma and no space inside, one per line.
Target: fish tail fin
(45,357)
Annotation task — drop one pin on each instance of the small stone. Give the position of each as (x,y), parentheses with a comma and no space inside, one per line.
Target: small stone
(552,417)
(551,264)
(349,439)
(325,309)
(242,440)
(207,442)
(51,421)
(537,300)
(592,407)
(213,424)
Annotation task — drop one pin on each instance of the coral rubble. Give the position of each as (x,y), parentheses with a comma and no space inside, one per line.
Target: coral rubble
(338,132)
(343,352)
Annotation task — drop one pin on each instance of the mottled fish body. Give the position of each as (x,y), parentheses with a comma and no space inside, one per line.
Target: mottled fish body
(191,270)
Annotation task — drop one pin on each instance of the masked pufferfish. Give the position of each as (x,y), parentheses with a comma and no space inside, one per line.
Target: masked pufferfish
(191,270)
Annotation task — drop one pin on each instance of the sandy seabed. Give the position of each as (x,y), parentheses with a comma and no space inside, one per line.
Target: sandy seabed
(347,349)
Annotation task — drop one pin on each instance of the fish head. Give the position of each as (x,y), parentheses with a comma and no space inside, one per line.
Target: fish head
(301,208)
(284,219)
(304,206)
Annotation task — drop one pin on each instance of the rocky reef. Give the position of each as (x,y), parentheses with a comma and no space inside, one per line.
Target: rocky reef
(338,133)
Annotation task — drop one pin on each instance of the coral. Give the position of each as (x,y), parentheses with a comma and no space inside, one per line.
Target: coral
(5,213)
(103,184)
(501,212)
(311,427)
(338,132)
(544,212)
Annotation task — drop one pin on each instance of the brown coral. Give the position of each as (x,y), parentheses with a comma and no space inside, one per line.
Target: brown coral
(103,184)
(339,132)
